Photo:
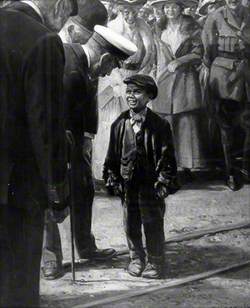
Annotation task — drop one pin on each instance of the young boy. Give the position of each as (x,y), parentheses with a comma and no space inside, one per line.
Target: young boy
(141,165)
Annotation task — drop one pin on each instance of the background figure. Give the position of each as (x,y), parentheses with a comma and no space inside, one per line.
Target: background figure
(158,12)
(147,14)
(111,8)
(205,8)
(226,40)
(191,9)
(81,113)
(180,97)
(111,90)
(32,139)
(160,20)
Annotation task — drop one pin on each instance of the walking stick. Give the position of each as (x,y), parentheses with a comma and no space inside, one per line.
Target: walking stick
(71,146)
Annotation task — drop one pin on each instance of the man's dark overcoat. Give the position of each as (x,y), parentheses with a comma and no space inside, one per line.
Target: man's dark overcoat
(32,137)
(80,92)
(81,116)
(32,145)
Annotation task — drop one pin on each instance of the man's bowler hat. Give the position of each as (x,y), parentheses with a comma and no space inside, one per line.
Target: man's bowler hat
(91,13)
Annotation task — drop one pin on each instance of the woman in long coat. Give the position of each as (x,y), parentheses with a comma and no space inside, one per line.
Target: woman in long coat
(180,98)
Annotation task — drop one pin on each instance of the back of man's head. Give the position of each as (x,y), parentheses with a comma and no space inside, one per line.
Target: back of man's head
(92,13)
(79,29)
(57,12)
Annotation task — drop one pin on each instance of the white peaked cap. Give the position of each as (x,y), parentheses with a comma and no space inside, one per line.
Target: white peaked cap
(114,42)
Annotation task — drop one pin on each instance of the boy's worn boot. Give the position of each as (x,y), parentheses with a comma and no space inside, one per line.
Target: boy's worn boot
(154,268)
(136,267)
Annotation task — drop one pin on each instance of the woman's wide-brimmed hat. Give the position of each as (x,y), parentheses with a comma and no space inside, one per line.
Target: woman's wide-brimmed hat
(202,7)
(184,3)
(130,2)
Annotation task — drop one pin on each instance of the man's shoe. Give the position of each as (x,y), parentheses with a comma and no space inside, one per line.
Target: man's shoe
(51,270)
(153,271)
(234,182)
(99,254)
(136,267)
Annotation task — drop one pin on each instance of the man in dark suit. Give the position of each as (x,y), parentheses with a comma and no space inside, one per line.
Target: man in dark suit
(32,139)
(84,63)
(82,120)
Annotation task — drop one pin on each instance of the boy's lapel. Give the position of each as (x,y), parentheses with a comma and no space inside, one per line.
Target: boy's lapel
(149,127)
(149,123)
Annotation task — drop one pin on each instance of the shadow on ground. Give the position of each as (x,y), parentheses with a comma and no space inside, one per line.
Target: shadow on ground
(182,260)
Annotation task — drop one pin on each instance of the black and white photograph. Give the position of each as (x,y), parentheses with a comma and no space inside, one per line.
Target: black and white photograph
(124,153)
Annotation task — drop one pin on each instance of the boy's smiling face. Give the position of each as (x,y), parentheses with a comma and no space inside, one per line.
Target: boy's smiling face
(137,98)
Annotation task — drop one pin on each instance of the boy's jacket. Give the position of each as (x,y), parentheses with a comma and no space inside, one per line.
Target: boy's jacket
(158,148)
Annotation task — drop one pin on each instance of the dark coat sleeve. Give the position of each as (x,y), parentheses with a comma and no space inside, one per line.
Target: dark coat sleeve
(73,101)
(112,160)
(43,83)
(91,110)
(167,167)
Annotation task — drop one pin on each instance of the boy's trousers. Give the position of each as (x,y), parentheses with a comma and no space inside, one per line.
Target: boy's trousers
(142,208)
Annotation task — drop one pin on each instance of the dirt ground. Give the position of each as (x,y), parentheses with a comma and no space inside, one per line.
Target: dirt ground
(199,205)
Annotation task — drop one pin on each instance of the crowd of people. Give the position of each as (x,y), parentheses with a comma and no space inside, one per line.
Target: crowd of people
(175,40)
(168,80)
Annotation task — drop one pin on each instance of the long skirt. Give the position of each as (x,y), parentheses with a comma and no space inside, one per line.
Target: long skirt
(190,135)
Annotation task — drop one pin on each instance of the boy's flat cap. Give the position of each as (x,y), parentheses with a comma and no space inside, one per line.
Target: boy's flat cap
(144,81)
